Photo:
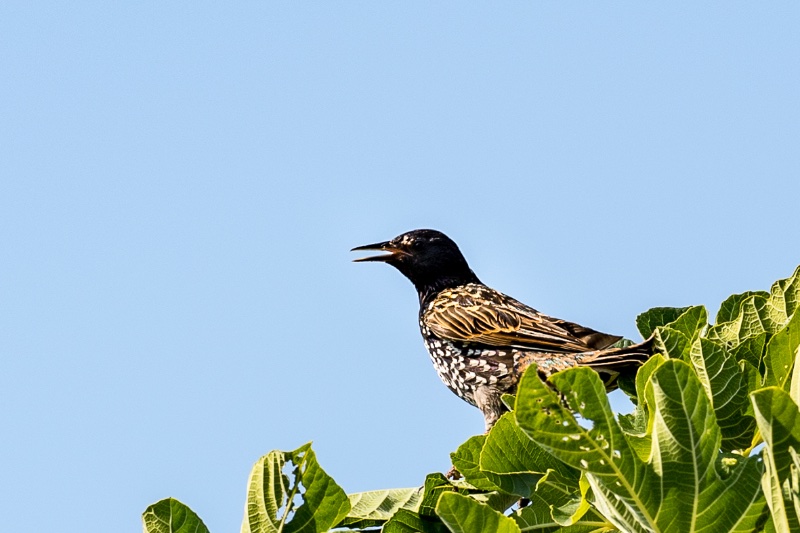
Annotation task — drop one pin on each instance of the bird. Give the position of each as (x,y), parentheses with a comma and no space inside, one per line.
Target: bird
(481,340)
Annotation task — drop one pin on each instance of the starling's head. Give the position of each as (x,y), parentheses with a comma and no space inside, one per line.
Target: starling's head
(429,258)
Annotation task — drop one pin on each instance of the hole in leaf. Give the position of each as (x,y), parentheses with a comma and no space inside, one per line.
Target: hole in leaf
(584,422)
(294,497)
(298,499)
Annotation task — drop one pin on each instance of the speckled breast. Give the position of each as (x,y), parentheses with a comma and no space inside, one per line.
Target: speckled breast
(464,367)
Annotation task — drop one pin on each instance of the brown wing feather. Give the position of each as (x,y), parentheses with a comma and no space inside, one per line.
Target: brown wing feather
(590,337)
(475,313)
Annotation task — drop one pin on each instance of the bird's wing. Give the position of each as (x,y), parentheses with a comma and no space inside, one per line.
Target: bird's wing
(484,316)
(594,339)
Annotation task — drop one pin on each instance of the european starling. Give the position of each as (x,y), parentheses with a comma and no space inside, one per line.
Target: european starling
(479,339)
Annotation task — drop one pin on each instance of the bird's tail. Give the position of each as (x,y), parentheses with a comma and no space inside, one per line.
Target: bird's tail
(610,363)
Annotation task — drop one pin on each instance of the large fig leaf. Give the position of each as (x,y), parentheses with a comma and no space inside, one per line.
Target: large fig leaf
(685,484)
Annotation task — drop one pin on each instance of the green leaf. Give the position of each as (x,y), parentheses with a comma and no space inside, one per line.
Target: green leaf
(794,388)
(405,521)
(545,420)
(681,457)
(745,324)
(462,514)
(691,322)
(581,527)
(171,516)
(686,442)
(537,515)
(435,485)
(638,424)
(785,294)
(752,380)
(756,316)
(514,463)
(675,338)
(627,384)
(754,518)
(644,374)
(751,349)
(731,307)
(497,500)
(553,509)
(272,496)
(793,485)
(602,449)
(778,420)
(573,511)
(508,401)
(725,385)
(648,321)
(746,315)
(673,343)
(781,353)
(467,460)
(622,343)
(681,487)
(376,507)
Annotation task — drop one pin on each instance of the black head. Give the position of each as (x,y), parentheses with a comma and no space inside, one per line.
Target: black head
(429,258)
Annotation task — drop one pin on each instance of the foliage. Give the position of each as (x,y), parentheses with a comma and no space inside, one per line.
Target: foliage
(713,445)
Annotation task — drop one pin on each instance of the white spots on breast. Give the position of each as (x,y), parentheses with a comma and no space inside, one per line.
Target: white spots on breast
(450,363)
(463,368)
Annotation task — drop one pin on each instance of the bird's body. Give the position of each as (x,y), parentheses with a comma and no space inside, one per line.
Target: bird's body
(480,340)
(462,365)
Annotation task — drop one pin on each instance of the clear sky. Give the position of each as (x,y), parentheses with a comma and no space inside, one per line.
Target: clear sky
(180,184)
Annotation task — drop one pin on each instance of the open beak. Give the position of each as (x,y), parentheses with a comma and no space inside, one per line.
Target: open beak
(393,252)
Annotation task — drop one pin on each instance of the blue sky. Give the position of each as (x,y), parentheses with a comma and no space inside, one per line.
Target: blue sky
(180,184)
